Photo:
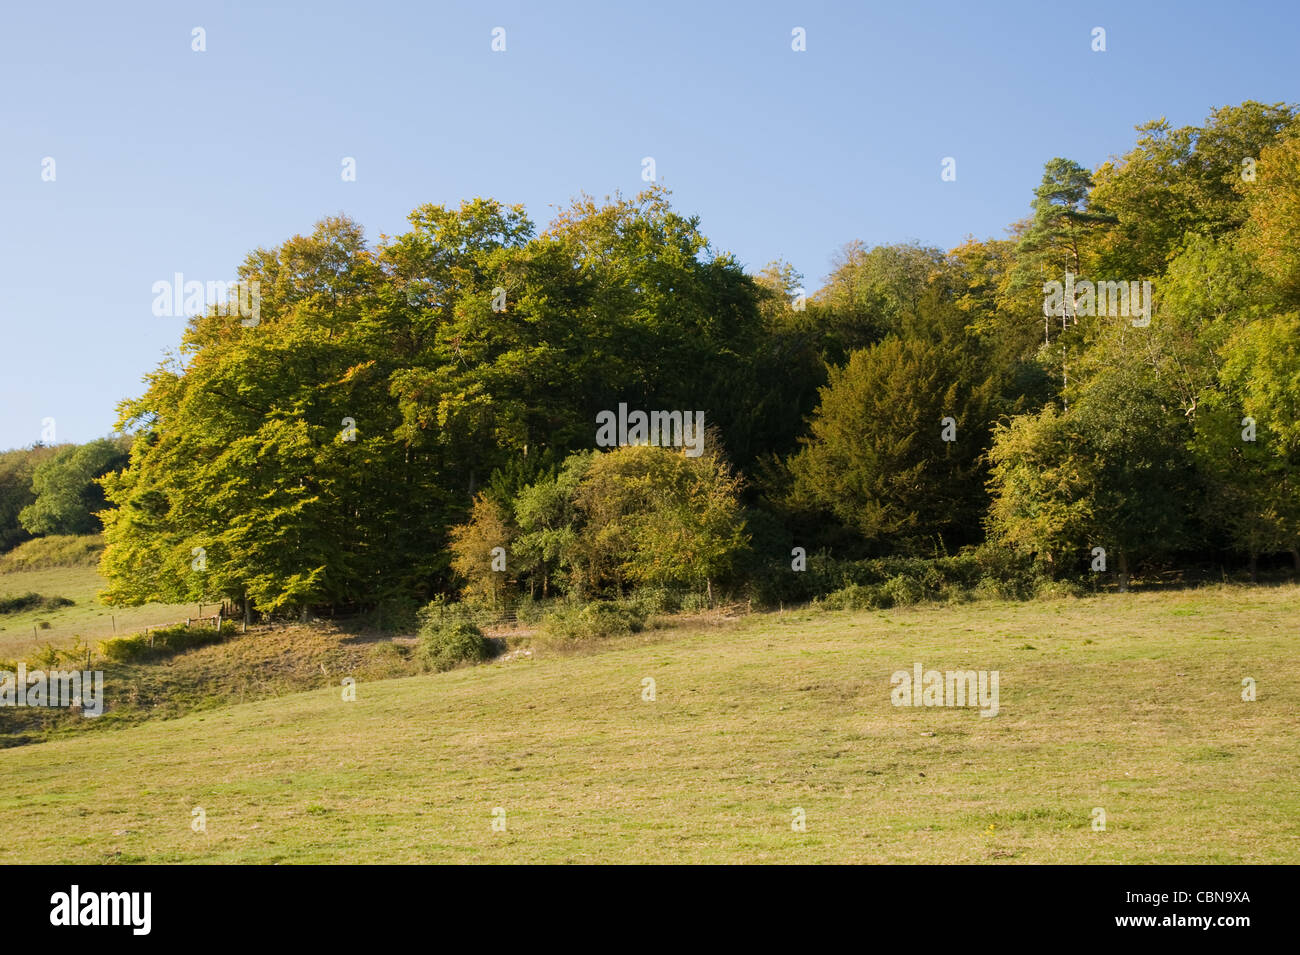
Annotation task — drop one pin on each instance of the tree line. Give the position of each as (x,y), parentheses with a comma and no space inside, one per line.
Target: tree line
(54,489)
(418,416)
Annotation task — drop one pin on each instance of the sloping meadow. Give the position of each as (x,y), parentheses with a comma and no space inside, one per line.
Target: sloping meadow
(1155,727)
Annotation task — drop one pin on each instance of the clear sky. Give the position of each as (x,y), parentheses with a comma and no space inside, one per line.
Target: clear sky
(169,160)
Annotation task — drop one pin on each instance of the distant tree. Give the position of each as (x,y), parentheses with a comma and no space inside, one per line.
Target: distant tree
(1061,218)
(871,293)
(1261,364)
(547,516)
(1260,381)
(1272,234)
(1040,482)
(320,456)
(480,552)
(1210,290)
(1112,472)
(16,470)
(67,492)
(1182,180)
(1253,496)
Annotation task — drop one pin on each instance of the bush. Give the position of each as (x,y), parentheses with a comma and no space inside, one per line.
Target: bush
(1006,573)
(447,640)
(593,621)
(163,641)
(19,602)
(32,601)
(857,597)
(1048,589)
(652,601)
(694,603)
(903,591)
(900,590)
(388,650)
(529,609)
(130,649)
(451,633)
(51,657)
(441,612)
(879,582)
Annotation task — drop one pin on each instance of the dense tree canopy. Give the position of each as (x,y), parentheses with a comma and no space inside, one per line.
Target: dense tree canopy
(402,404)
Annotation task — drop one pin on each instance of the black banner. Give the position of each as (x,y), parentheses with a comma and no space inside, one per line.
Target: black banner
(306,904)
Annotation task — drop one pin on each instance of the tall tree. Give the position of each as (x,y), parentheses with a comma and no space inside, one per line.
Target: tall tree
(895,445)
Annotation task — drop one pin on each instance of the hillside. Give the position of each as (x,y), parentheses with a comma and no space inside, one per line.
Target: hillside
(1131,703)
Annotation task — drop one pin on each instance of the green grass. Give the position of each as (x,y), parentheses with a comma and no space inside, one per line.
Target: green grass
(1126,702)
(87,617)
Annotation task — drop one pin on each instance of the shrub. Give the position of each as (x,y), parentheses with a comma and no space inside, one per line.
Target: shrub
(51,657)
(451,633)
(903,591)
(32,601)
(389,659)
(1006,572)
(46,658)
(593,621)
(446,642)
(163,641)
(857,597)
(19,602)
(1047,589)
(531,610)
(130,649)
(651,601)
(528,609)
(694,603)
(987,571)
(440,611)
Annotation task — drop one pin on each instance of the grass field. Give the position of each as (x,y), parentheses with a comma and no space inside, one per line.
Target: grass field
(1131,703)
(87,618)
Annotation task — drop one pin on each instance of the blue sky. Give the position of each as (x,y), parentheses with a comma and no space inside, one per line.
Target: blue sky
(169,160)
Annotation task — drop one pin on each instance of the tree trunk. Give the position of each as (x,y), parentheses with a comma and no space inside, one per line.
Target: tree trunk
(1123,572)
(1254,567)
(1295,558)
